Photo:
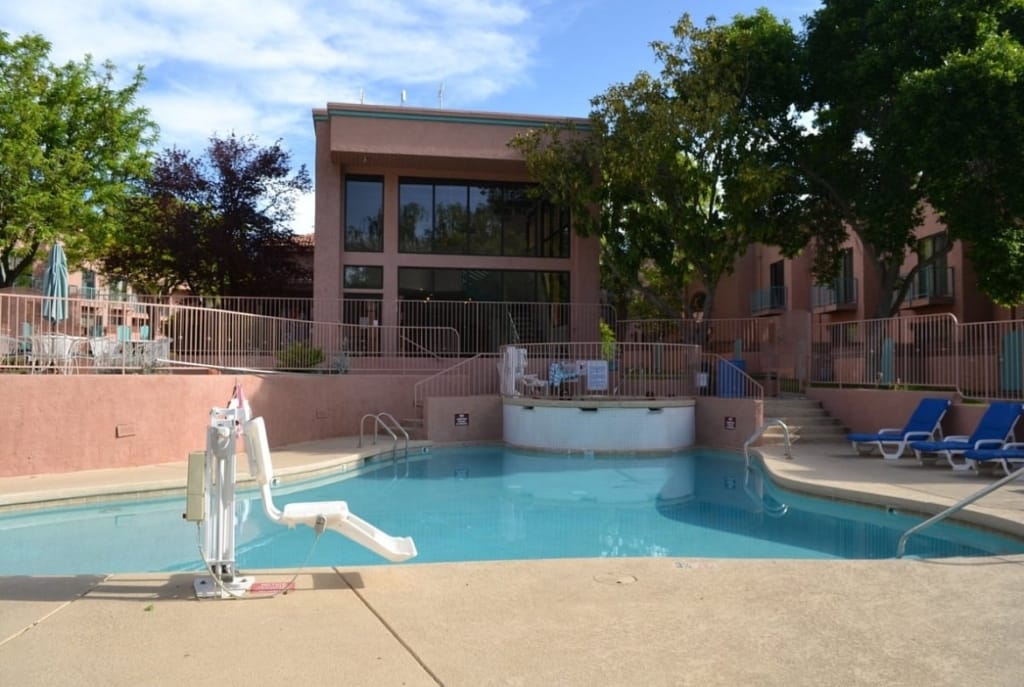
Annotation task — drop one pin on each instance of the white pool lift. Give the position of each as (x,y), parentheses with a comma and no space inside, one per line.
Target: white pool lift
(210,501)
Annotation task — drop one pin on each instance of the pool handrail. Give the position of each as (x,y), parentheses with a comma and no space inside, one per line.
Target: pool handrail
(771,421)
(901,546)
(380,422)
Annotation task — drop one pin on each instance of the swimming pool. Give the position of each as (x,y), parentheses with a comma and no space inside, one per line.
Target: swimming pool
(495,503)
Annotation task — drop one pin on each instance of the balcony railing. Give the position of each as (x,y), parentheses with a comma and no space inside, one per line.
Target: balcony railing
(838,294)
(932,284)
(772,299)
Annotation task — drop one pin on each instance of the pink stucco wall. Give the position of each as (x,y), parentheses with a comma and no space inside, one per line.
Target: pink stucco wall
(727,422)
(461,419)
(51,423)
(868,410)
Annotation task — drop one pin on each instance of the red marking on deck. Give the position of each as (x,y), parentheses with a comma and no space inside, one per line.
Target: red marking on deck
(258,587)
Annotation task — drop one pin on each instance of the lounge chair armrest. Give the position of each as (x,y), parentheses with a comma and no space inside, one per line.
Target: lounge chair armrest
(915,436)
(892,430)
(957,437)
(988,443)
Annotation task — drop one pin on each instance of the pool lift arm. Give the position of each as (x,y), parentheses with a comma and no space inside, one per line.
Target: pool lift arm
(211,502)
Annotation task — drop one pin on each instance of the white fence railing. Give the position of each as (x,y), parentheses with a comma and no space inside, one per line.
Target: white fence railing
(983,360)
(97,336)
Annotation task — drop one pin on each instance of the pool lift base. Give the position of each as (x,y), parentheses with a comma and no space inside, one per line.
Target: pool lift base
(211,502)
(207,587)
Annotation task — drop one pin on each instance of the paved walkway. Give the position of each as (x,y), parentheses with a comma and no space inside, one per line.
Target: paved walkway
(653,621)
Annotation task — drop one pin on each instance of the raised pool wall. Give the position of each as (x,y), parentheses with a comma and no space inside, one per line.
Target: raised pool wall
(54,423)
(57,423)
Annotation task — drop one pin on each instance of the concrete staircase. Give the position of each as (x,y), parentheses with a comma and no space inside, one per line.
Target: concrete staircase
(808,422)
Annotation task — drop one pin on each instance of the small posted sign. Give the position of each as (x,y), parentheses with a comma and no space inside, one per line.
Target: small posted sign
(462,419)
(597,375)
(730,422)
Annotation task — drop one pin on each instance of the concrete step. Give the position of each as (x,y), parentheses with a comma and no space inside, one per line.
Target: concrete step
(807,421)
(414,427)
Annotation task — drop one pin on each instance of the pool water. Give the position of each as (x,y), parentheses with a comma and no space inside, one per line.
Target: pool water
(494,503)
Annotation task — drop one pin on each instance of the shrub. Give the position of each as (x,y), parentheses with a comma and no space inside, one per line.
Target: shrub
(300,356)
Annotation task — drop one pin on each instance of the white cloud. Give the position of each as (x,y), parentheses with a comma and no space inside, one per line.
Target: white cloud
(305,212)
(260,66)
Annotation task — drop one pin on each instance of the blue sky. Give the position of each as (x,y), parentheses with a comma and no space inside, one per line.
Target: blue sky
(259,67)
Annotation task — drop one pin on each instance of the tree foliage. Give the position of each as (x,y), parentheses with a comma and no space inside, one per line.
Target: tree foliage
(216,224)
(919,103)
(72,144)
(681,171)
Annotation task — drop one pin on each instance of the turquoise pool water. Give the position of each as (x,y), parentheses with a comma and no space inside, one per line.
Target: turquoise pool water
(490,503)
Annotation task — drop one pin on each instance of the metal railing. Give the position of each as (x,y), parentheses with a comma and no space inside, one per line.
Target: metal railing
(474,376)
(737,337)
(980,360)
(389,424)
(108,336)
(768,422)
(769,299)
(901,545)
(933,282)
(838,293)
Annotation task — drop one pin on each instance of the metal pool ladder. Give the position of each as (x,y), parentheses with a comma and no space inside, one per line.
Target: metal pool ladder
(381,421)
(901,547)
(780,509)
(760,430)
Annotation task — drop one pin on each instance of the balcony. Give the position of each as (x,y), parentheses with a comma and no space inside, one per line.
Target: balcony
(931,286)
(838,295)
(768,301)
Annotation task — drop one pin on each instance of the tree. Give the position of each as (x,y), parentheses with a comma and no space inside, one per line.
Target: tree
(217,224)
(919,104)
(682,172)
(71,147)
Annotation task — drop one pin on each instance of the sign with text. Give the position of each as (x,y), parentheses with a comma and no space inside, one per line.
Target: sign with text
(730,422)
(597,375)
(462,419)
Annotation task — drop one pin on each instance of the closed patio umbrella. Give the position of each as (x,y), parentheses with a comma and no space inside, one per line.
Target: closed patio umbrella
(55,285)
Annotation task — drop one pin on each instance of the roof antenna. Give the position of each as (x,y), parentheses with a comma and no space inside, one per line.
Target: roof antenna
(440,96)
(403,96)
(362,95)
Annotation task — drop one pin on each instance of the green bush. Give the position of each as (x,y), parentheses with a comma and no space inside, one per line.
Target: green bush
(300,356)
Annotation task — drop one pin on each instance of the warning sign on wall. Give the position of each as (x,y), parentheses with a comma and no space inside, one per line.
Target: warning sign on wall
(462,419)
(730,422)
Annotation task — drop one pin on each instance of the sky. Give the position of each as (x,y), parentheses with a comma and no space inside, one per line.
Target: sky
(259,67)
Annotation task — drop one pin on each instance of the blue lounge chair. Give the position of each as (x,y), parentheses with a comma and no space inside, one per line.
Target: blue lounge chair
(1010,456)
(993,431)
(924,424)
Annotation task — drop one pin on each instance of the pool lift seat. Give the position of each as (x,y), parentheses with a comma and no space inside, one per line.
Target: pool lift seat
(320,515)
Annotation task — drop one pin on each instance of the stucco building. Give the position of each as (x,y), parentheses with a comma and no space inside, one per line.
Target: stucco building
(417,206)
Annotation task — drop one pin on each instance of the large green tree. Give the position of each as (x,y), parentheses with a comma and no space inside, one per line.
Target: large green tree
(920,103)
(218,224)
(72,145)
(682,171)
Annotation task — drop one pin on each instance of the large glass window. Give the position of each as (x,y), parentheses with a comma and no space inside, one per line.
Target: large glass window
(488,308)
(457,218)
(933,277)
(425,283)
(364,277)
(364,214)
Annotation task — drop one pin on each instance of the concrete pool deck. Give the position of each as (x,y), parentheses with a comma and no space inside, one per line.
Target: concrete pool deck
(623,621)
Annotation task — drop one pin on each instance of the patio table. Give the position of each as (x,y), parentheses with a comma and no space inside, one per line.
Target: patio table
(55,352)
